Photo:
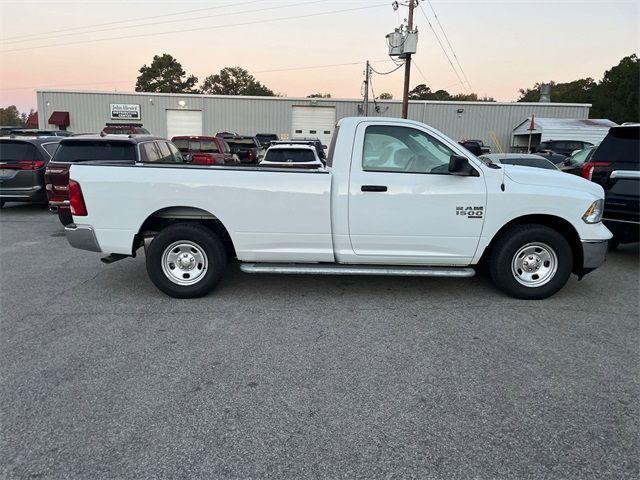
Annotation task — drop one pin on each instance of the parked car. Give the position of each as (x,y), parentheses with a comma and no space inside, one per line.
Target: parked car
(6,130)
(315,142)
(577,159)
(472,146)
(522,159)
(34,132)
(125,129)
(615,165)
(202,150)
(248,149)
(485,149)
(22,166)
(266,139)
(107,148)
(563,147)
(437,211)
(293,155)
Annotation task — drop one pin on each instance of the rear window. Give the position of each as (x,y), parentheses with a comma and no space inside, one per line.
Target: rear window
(620,145)
(13,151)
(81,151)
(294,155)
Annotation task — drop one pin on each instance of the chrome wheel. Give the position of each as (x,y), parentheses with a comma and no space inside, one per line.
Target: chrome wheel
(534,264)
(184,262)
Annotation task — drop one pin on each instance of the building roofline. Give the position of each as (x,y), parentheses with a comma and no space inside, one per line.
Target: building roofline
(306,99)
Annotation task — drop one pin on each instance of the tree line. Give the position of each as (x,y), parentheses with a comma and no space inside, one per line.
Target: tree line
(615,97)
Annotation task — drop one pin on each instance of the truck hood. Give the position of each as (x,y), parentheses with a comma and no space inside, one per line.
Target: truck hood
(551,178)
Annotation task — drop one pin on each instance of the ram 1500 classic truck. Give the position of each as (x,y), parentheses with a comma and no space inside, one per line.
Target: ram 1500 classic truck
(396,198)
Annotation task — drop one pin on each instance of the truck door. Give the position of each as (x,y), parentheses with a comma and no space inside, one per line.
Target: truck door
(404,205)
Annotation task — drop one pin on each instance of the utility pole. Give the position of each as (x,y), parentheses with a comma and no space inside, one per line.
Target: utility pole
(367,72)
(407,66)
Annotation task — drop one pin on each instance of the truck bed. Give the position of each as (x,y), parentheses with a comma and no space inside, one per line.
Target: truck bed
(266,211)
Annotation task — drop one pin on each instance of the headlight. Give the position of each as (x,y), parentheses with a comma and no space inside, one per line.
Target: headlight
(594,212)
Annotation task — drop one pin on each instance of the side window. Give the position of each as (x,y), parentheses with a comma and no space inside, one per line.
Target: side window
(403,150)
(149,153)
(165,153)
(50,148)
(175,153)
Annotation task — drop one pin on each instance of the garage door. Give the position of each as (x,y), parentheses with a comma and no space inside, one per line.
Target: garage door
(184,122)
(313,122)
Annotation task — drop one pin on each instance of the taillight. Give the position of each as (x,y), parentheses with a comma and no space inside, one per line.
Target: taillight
(76,200)
(251,156)
(587,168)
(23,165)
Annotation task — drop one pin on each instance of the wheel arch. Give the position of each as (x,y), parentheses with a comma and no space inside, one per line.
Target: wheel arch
(166,216)
(559,224)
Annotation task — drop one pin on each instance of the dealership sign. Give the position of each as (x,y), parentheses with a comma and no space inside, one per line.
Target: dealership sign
(125,111)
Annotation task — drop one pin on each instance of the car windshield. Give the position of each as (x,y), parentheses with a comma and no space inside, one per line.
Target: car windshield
(292,155)
(79,151)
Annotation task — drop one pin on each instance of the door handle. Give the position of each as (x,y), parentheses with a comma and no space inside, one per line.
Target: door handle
(373,188)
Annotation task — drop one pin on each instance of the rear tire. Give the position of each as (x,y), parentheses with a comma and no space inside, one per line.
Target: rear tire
(186,260)
(531,262)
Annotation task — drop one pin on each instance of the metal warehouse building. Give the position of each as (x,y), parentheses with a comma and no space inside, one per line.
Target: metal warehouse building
(169,115)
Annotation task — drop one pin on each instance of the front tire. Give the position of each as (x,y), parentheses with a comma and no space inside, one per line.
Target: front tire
(186,260)
(531,262)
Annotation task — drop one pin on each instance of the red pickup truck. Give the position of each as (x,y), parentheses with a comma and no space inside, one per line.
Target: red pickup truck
(205,150)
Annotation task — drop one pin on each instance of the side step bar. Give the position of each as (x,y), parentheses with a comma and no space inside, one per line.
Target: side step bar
(338,269)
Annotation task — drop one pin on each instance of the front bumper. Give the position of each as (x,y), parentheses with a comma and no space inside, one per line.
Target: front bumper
(594,254)
(82,237)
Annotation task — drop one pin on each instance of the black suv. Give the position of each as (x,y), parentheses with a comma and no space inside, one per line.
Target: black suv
(22,164)
(563,147)
(109,148)
(616,166)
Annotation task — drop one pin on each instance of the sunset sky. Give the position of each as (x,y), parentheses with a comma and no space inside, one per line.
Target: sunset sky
(299,47)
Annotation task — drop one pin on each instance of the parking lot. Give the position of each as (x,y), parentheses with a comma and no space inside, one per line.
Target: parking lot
(270,376)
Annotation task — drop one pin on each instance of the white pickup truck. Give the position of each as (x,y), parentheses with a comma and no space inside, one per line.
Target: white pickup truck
(396,198)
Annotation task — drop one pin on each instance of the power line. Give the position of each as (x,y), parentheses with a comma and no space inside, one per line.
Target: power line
(14,39)
(212,27)
(387,73)
(422,74)
(178,21)
(288,69)
(449,43)
(442,46)
(108,82)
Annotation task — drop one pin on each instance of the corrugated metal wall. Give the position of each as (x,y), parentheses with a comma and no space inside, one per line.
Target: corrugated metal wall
(89,111)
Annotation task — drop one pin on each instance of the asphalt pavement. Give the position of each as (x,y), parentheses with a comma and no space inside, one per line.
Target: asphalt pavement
(104,377)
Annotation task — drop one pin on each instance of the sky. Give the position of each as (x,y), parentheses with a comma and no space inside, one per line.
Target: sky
(300,47)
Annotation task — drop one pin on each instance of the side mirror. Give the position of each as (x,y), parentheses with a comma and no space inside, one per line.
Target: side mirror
(188,158)
(459,165)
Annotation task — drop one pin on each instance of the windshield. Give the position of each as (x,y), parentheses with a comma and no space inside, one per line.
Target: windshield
(79,151)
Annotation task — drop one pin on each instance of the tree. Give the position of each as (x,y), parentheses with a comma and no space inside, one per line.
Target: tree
(616,96)
(165,75)
(10,117)
(578,91)
(385,96)
(234,81)
(319,95)
(420,92)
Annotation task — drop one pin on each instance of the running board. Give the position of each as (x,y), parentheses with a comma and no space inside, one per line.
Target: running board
(338,269)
